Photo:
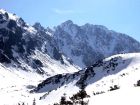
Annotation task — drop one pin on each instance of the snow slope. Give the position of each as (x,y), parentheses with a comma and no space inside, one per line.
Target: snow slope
(52,66)
(125,96)
(14,83)
(125,75)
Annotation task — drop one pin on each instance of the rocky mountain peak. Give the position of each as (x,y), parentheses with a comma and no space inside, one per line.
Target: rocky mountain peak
(88,43)
(38,26)
(68,22)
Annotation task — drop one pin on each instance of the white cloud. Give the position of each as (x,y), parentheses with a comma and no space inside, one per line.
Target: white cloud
(58,11)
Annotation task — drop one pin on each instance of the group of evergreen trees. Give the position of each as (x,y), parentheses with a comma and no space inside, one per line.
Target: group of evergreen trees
(76,99)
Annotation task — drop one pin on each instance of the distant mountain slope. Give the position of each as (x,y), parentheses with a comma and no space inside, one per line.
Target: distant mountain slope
(89,43)
(103,77)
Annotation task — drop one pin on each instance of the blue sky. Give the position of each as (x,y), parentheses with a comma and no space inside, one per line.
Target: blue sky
(119,15)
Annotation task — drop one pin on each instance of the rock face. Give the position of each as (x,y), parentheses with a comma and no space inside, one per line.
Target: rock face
(88,43)
(17,36)
(10,37)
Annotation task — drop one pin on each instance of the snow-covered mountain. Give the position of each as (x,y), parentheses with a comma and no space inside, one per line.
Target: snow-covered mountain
(116,73)
(30,48)
(89,43)
(79,45)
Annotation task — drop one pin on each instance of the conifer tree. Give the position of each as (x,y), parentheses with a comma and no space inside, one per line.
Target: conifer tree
(78,98)
(34,102)
(63,100)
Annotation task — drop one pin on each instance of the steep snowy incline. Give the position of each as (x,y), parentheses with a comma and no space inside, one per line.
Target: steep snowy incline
(52,67)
